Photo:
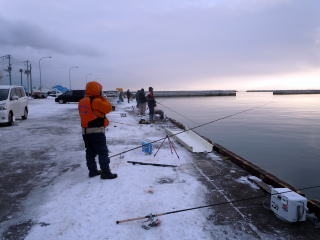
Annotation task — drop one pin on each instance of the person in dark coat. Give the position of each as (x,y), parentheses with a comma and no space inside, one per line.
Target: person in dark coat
(121,96)
(128,95)
(151,104)
(142,102)
(137,98)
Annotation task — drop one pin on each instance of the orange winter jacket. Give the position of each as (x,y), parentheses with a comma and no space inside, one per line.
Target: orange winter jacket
(93,107)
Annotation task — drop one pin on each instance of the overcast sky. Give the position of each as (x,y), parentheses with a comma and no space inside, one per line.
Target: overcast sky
(168,44)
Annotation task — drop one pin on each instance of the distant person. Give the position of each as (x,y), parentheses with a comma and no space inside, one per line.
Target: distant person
(92,109)
(121,96)
(142,102)
(137,98)
(128,95)
(151,104)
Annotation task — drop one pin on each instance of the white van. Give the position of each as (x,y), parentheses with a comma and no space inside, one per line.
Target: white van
(13,104)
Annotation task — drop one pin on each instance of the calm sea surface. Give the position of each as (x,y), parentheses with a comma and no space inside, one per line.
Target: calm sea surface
(282,137)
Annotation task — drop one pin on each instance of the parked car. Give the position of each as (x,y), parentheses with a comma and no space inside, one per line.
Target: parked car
(70,96)
(13,104)
(39,94)
(110,93)
(54,93)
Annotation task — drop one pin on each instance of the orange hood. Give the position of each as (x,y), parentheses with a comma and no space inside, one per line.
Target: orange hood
(93,89)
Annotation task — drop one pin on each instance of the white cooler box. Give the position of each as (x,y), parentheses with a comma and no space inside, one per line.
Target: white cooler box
(288,205)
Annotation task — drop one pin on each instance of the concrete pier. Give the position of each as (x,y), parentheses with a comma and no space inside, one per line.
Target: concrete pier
(195,93)
(287,92)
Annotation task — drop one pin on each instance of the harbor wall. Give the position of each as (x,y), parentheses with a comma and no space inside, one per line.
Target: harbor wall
(195,93)
(288,92)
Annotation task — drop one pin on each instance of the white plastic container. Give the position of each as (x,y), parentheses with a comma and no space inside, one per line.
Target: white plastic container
(288,205)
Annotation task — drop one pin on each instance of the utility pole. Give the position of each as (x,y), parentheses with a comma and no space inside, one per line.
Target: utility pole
(27,73)
(40,69)
(9,68)
(70,74)
(21,71)
(30,72)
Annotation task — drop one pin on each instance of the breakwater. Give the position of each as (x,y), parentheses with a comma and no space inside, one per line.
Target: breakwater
(284,92)
(195,93)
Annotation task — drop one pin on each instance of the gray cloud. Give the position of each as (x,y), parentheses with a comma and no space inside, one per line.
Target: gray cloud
(24,34)
(169,43)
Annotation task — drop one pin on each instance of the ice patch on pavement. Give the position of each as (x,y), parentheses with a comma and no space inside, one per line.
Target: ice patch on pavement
(245,180)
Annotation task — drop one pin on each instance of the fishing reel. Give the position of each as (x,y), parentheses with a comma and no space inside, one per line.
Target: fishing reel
(152,221)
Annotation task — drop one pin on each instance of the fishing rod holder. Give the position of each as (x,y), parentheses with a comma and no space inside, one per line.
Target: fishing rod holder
(171,145)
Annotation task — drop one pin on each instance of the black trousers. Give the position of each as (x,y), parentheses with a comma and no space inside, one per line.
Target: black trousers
(95,144)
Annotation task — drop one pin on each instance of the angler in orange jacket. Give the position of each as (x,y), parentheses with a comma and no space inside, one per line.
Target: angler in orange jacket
(92,109)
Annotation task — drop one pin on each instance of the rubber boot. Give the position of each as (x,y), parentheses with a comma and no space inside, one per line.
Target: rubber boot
(95,173)
(108,175)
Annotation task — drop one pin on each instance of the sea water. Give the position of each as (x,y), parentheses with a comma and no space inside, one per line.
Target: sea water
(280,135)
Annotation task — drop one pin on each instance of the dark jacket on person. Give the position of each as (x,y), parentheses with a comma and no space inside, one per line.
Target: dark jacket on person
(151,102)
(137,97)
(142,96)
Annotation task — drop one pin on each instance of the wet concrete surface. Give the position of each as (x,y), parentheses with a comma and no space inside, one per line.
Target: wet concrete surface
(252,216)
(31,159)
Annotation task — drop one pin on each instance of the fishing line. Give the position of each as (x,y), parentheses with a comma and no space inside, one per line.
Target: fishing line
(212,205)
(182,115)
(189,129)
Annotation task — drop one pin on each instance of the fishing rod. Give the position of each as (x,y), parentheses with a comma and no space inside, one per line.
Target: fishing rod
(189,129)
(122,123)
(206,206)
(151,164)
(182,115)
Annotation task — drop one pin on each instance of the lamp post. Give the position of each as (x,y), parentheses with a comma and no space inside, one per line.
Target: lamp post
(70,74)
(40,68)
(87,77)
(21,71)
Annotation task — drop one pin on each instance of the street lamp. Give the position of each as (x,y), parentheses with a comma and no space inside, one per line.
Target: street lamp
(21,71)
(40,68)
(70,73)
(88,76)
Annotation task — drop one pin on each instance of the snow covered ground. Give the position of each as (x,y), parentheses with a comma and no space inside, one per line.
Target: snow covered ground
(46,192)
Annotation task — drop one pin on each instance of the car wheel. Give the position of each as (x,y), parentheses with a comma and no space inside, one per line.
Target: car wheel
(10,119)
(25,115)
(61,101)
